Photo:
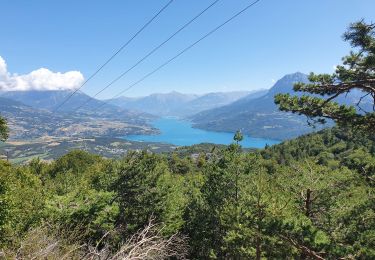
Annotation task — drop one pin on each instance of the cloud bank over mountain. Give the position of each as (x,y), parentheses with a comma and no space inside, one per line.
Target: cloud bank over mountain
(40,79)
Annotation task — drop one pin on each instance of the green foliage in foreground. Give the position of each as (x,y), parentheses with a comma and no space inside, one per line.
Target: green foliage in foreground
(308,198)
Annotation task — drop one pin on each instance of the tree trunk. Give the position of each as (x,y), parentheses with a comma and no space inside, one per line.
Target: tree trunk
(258,248)
(308,202)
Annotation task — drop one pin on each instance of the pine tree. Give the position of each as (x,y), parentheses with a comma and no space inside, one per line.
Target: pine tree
(356,73)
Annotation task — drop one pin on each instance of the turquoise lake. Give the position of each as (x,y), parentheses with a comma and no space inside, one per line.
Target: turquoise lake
(180,133)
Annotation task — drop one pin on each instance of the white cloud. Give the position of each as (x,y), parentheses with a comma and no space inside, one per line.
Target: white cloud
(40,79)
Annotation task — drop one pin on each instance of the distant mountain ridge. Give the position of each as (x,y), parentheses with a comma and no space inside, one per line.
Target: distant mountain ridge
(258,117)
(178,104)
(50,99)
(157,104)
(255,113)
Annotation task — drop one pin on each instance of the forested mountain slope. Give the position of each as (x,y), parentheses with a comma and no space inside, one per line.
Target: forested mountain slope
(258,117)
(308,198)
(333,148)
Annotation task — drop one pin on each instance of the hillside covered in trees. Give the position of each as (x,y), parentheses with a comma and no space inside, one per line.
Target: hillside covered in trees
(309,198)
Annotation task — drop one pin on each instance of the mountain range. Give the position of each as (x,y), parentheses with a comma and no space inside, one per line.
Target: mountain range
(178,104)
(255,113)
(260,117)
(51,99)
(158,104)
(30,114)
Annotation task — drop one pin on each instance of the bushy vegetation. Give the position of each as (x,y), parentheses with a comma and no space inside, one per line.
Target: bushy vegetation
(308,198)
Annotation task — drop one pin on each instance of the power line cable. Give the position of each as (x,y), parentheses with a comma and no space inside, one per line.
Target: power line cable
(180,53)
(114,55)
(148,54)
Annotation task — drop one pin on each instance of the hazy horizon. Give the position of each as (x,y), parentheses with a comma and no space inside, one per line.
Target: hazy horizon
(161,93)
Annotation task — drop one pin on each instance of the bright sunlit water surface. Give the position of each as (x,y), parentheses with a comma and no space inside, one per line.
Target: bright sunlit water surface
(180,133)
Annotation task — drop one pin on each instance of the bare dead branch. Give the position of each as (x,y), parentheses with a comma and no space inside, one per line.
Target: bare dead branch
(311,253)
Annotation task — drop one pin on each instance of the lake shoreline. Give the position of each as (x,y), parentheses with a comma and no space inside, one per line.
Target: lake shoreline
(181,132)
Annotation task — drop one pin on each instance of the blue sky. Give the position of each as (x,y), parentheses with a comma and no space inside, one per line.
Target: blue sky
(270,40)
